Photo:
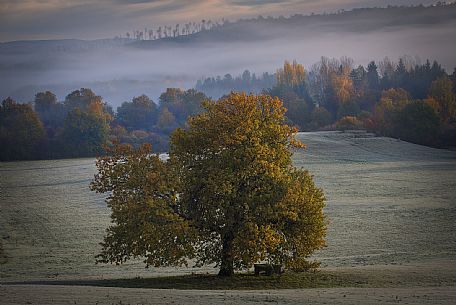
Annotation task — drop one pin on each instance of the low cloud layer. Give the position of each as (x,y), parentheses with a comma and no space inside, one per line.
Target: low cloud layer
(121,72)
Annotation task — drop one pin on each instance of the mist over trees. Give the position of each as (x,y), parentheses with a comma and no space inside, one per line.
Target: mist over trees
(355,20)
(406,99)
(83,125)
(218,86)
(173,31)
(121,68)
(386,97)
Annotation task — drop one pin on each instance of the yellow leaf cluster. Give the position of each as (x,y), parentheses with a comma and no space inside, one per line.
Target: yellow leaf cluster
(228,194)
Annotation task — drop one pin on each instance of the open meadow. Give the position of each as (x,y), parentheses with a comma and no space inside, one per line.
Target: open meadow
(311,148)
(388,202)
(391,208)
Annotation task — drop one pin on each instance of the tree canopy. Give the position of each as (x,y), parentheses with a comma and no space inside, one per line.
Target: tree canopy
(84,134)
(228,194)
(140,113)
(51,112)
(21,131)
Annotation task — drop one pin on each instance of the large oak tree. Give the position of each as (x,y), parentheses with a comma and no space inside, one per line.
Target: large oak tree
(228,194)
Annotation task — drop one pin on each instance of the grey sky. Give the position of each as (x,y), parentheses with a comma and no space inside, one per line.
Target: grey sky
(85,19)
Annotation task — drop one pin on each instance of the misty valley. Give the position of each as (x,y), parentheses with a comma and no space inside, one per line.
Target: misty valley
(227,152)
(120,68)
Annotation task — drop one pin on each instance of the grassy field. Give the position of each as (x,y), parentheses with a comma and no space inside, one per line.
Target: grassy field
(242,281)
(390,203)
(3,258)
(424,275)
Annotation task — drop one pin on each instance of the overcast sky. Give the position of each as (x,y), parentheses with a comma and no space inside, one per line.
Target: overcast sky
(85,19)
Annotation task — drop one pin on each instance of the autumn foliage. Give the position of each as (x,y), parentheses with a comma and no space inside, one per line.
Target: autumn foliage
(228,194)
(332,94)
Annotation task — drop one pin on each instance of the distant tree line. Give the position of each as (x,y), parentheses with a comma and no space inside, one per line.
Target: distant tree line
(173,31)
(405,99)
(189,28)
(83,125)
(216,87)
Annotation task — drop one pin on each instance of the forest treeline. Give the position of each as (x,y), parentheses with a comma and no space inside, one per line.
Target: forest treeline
(405,99)
(176,30)
(216,87)
(409,100)
(83,124)
(357,20)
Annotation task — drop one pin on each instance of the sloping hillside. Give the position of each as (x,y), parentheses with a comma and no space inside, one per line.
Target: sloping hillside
(361,20)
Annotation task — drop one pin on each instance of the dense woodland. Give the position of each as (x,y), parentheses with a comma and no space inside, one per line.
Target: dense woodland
(83,124)
(409,100)
(406,99)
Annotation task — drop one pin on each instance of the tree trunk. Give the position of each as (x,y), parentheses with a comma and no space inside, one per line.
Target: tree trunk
(226,266)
